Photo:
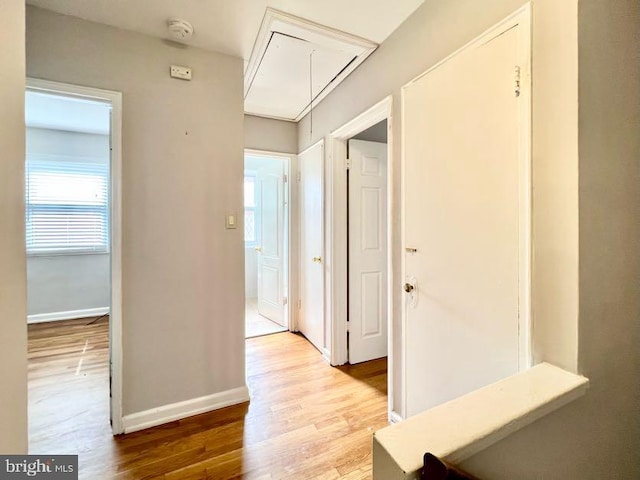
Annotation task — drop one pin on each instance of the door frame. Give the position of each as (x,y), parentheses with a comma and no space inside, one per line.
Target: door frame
(521,17)
(292,277)
(115,227)
(336,224)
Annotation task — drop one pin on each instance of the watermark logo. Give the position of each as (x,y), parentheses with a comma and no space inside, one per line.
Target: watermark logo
(41,467)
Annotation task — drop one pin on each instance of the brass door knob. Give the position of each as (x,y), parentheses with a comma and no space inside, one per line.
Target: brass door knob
(317,259)
(409,288)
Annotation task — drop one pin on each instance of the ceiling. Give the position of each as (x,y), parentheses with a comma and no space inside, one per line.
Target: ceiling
(232,26)
(58,112)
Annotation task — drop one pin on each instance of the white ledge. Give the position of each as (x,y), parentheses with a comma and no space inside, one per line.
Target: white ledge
(456,430)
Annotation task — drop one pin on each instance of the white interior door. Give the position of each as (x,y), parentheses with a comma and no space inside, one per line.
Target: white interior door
(311,318)
(270,257)
(367,251)
(461,217)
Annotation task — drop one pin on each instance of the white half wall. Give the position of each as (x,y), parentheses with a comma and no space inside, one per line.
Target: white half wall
(13,292)
(182,148)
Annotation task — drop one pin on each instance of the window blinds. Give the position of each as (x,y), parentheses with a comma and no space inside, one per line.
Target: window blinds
(67,206)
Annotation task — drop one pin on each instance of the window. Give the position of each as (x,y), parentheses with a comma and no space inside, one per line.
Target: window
(67,206)
(250,231)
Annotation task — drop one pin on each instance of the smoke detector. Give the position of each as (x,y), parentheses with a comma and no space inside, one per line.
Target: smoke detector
(180,29)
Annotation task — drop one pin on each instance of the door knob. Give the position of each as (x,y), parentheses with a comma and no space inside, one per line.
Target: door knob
(317,259)
(258,249)
(409,288)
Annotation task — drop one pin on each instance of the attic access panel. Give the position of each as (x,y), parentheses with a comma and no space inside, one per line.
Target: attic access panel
(288,53)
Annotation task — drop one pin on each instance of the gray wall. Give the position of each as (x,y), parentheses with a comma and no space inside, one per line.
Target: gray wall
(66,283)
(13,301)
(600,433)
(375,133)
(63,283)
(182,172)
(270,135)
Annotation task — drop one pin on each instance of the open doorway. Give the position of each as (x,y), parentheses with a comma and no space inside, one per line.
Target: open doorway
(266,232)
(73,262)
(367,244)
(360,310)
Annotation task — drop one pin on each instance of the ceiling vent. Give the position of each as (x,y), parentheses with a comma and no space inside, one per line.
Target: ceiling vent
(295,63)
(179,29)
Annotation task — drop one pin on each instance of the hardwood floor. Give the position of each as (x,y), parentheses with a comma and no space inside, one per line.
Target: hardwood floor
(305,420)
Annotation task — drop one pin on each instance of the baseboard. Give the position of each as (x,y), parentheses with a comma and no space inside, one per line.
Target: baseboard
(176,411)
(68,315)
(326,355)
(395,417)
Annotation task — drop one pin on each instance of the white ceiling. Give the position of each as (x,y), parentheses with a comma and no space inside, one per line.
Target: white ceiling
(58,112)
(232,27)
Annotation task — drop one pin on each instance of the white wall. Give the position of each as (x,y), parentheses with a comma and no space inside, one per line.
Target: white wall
(270,135)
(599,433)
(65,283)
(13,301)
(183,272)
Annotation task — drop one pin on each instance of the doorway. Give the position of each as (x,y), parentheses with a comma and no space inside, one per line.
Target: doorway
(266,236)
(73,253)
(367,244)
(373,314)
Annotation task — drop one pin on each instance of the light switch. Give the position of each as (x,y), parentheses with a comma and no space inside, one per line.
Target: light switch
(231,221)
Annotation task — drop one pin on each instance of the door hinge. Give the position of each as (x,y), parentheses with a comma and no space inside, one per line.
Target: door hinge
(348,329)
(347,163)
(517,80)
(285,178)
(285,300)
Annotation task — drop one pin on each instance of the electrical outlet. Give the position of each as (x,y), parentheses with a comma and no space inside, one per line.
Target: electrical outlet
(183,73)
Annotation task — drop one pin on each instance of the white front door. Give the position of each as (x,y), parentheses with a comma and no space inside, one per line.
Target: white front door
(462,207)
(311,318)
(270,258)
(367,251)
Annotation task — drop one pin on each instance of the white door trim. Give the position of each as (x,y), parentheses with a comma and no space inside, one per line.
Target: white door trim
(336,225)
(291,225)
(521,17)
(115,320)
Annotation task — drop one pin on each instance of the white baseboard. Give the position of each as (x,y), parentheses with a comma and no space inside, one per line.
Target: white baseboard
(326,355)
(176,411)
(395,417)
(68,315)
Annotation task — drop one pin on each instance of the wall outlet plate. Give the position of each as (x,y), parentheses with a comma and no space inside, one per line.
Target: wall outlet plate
(183,73)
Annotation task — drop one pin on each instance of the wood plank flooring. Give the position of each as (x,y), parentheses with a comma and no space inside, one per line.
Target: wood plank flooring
(306,420)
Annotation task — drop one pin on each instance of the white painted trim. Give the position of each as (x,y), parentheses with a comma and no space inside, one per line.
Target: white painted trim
(67,315)
(115,320)
(326,355)
(460,428)
(276,20)
(525,190)
(292,276)
(336,222)
(176,411)
(395,417)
